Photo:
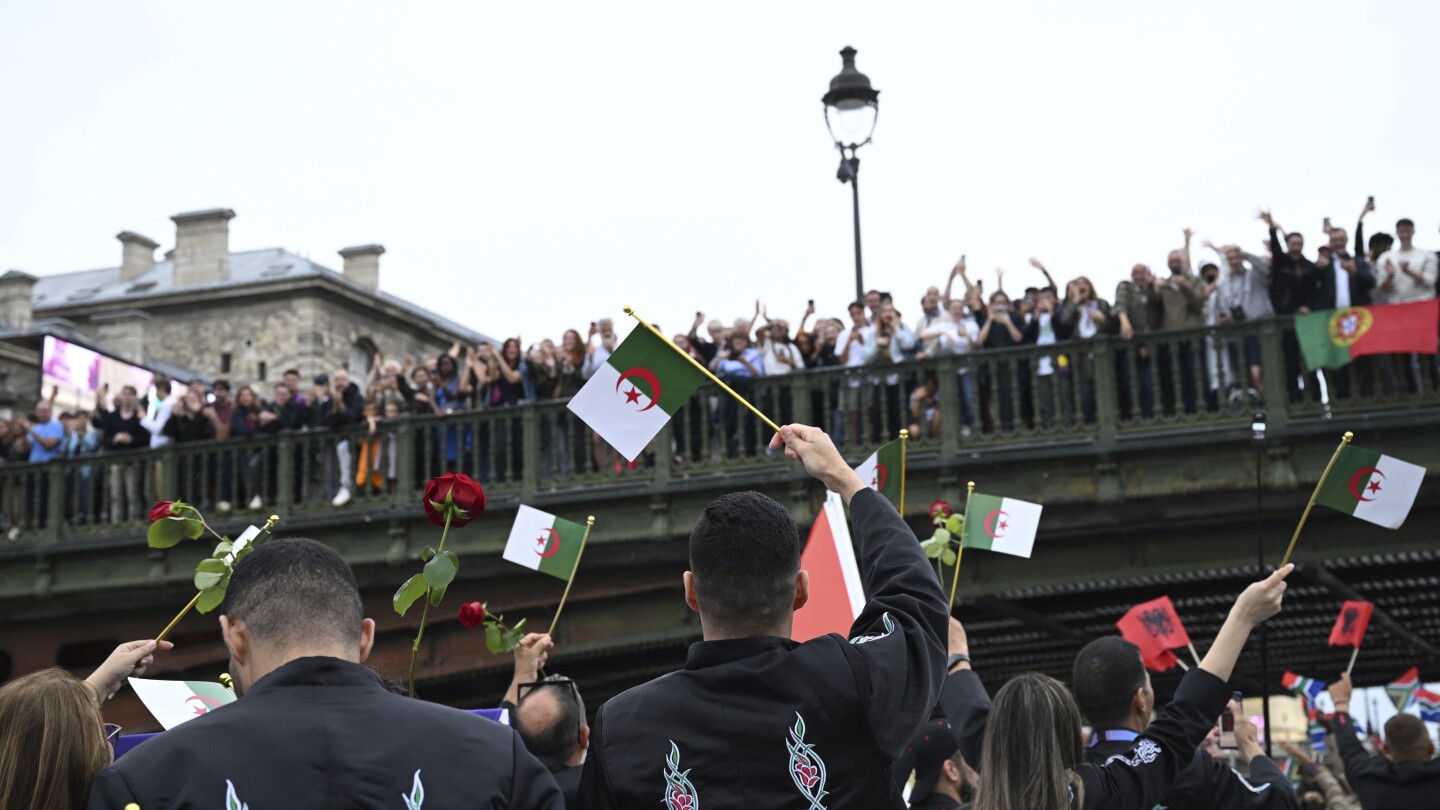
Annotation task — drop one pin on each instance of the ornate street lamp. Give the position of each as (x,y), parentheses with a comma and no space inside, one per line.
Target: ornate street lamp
(851,108)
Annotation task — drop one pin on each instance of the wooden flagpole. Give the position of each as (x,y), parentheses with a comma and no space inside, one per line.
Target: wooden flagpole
(703,370)
(1194,654)
(904,437)
(589,521)
(1353,656)
(1344,440)
(955,583)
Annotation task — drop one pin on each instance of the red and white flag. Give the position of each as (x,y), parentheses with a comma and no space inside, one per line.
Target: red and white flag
(836,595)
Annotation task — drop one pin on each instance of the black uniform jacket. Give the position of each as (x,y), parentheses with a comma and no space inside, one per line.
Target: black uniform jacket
(1381,783)
(966,706)
(769,723)
(1209,783)
(322,733)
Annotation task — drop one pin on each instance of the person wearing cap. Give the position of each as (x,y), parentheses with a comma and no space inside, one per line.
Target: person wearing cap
(943,755)
(1114,693)
(707,348)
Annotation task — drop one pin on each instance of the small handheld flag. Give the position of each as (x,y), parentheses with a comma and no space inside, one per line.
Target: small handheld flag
(836,593)
(1307,688)
(1156,621)
(1402,690)
(1429,703)
(1371,486)
(1162,661)
(884,470)
(1317,738)
(1351,624)
(176,702)
(1000,524)
(545,543)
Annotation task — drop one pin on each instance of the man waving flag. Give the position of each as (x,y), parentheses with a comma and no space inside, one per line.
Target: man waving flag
(635,392)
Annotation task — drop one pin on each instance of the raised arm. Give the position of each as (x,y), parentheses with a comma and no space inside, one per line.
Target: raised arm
(1185,254)
(1035,263)
(957,270)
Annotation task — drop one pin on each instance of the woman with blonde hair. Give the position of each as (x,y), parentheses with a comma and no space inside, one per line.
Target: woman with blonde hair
(53,740)
(1033,757)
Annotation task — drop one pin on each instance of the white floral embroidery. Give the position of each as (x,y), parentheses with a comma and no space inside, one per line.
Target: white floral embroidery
(232,801)
(807,769)
(889,628)
(417,794)
(1145,752)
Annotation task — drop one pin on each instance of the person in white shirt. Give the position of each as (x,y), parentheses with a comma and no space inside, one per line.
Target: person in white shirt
(159,413)
(930,315)
(891,340)
(1407,273)
(852,355)
(958,335)
(1045,321)
(779,357)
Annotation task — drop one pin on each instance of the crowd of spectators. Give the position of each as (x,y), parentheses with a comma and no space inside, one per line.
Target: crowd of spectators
(875,391)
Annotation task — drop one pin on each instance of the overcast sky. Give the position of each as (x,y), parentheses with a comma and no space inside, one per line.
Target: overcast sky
(531,167)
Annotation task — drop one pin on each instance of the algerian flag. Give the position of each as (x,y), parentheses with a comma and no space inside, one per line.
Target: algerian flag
(1371,487)
(1000,524)
(882,470)
(620,401)
(175,702)
(545,543)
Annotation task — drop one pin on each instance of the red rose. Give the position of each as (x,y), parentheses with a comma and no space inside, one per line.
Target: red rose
(940,509)
(808,774)
(160,510)
(472,615)
(678,800)
(453,491)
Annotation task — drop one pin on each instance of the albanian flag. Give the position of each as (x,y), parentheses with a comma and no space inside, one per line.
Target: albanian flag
(1154,627)
(1351,624)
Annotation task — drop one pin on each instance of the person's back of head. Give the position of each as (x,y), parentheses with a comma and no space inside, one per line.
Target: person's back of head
(1407,740)
(744,567)
(1109,676)
(551,721)
(1032,741)
(291,598)
(51,742)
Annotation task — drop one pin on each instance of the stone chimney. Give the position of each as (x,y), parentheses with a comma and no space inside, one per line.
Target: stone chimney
(362,265)
(16,303)
(202,246)
(137,254)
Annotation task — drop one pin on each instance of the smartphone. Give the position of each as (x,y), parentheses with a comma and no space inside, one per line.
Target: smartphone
(1372,199)
(1227,725)
(811,302)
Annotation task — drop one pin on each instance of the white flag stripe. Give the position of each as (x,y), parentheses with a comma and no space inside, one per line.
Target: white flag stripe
(845,550)
(628,426)
(1022,519)
(868,469)
(1398,487)
(525,536)
(166,700)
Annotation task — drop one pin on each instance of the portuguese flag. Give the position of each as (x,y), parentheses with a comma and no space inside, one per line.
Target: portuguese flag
(1000,524)
(634,393)
(882,470)
(1371,486)
(545,543)
(1331,338)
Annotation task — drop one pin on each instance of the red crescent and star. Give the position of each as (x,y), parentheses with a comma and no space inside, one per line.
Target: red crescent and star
(204,705)
(1373,487)
(996,528)
(547,547)
(633,395)
(877,481)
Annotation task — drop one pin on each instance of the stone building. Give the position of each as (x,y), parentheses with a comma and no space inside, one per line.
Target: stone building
(245,316)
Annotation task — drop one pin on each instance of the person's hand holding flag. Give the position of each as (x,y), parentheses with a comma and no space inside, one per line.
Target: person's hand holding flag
(816,452)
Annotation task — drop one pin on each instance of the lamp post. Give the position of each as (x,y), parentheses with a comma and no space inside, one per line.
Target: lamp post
(851,107)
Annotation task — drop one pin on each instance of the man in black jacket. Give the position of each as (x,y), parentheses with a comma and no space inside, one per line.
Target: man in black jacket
(1113,690)
(1403,777)
(550,715)
(343,409)
(946,752)
(314,727)
(755,719)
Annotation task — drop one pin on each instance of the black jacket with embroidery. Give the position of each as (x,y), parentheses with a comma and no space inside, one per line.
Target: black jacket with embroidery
(323,733)
(1381,783)
(767,722)
(1210,783)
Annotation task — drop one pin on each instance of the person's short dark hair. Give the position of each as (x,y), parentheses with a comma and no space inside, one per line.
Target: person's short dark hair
(1380,241)
(886,296)
(221,385)
(292,590)
(1107,672)
(745,554)
(1405,223)
(162,385)
(129,388)
(854,305)
(287,372)
(559,738)
(1407,738)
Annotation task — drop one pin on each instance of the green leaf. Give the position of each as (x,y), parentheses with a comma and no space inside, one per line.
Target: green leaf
(209,573)
(439,507)
(955,525)
(222,548)
(494,641)
(948,558)
(440,572)
(168,532)
(520,627)
(426,553)
(211,597)
(436,594)
(413,589)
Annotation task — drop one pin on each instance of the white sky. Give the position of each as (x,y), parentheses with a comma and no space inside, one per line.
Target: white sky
(531,167)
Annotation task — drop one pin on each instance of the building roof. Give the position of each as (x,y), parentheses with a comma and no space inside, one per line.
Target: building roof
(247,268)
